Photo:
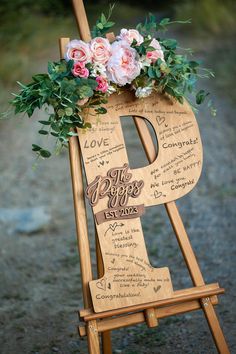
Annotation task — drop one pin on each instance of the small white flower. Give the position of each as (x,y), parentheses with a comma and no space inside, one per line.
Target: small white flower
(98,70)
(111,89)
(144,62)
(142,92)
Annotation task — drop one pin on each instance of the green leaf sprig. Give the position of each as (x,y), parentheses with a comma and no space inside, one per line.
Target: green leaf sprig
(67,95)
(61,91)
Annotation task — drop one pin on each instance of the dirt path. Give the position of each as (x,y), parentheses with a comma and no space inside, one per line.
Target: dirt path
(40,279)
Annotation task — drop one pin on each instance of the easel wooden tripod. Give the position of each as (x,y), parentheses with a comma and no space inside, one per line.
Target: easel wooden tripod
(201,296)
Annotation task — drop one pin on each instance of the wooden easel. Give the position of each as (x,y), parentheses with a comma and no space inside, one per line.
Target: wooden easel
(201,296)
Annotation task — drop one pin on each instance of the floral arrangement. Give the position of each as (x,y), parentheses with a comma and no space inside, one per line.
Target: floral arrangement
(138,59)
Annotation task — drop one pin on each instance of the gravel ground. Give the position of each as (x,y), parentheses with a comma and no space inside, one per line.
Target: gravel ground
(40,290)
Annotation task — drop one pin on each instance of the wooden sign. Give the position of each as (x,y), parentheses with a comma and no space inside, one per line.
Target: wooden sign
(119,195)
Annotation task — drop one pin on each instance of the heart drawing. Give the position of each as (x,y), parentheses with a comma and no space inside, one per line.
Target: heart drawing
(157,194)
(101,284)
(160,120)
(157,288)
(113,226)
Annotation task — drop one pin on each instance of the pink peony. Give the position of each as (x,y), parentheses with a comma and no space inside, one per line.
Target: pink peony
(155,54)
(80,70)
(102,84)
(123,66)
(78,51)
(129,35)
(100,49)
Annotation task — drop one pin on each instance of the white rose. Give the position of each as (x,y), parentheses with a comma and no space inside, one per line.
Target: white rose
(143,92)
(130,35)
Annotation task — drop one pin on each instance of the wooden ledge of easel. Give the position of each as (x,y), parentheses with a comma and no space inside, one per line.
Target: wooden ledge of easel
(182,301)
(108,324)
(189,294)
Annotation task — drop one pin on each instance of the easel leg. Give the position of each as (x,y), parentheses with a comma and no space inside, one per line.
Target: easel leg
(214,326)
(185,245)
(196,276)
(93,337)
(106,343)
(106,336)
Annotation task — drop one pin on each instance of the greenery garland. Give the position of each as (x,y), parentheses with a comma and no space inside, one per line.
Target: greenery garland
(139,59)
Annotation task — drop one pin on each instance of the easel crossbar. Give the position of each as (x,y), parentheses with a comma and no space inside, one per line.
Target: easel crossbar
(198,292)
(108,324)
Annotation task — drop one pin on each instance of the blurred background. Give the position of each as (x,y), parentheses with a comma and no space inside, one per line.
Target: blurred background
(40,289)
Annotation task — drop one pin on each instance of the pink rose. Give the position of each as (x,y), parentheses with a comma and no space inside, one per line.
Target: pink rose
(123,66)
(100,49)
(155,54)
(102,84)
(80,70)
(129,35)
(78,51)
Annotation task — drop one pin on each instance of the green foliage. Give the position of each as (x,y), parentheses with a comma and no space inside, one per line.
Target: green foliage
(60,90)
(200,96)
(41,152)
(177,75)
(151,26)
(103,25)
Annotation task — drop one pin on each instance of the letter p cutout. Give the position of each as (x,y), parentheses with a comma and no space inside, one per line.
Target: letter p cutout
(119,195)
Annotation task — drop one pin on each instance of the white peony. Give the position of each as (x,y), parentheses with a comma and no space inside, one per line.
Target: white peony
(123,66)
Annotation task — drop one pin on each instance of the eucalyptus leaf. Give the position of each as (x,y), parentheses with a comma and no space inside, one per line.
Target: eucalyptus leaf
(45,153)
(101,110)
(201,95)
(151,72)
(69,111)
(103,19)
(43,132)
(36,147)
(44,122)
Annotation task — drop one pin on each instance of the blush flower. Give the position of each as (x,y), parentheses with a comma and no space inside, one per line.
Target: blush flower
(78,51)
(83,101)
(80,70)
(129,35)
(155,54)
(123,66)
(100,50)
(102,84)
